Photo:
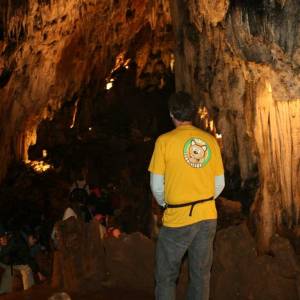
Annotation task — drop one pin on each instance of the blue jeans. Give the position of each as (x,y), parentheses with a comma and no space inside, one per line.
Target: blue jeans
(197,239)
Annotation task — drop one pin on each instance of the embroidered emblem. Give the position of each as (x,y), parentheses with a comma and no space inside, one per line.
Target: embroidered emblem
(196,152)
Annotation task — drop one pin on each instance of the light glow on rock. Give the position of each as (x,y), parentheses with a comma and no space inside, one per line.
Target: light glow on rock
(39,166)
(109,84)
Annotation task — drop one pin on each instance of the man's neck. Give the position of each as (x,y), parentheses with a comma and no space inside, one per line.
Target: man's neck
(181,123)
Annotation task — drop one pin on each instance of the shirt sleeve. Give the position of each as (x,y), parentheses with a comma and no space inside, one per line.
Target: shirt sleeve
(157,185)
(218,163)
(157,163)
(219,185)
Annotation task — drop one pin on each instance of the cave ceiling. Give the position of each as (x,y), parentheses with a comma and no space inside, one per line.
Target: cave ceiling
(53,50)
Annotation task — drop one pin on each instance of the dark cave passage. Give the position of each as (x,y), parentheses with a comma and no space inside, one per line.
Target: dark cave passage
(108,137)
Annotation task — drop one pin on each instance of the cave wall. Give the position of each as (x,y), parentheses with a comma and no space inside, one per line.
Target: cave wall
(241,59)
(52,51)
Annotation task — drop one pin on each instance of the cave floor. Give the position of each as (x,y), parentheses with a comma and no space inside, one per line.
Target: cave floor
(44,291)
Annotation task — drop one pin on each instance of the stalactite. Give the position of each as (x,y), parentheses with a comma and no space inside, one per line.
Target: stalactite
(28,138)
(13,19)
(160,11)
(70,42)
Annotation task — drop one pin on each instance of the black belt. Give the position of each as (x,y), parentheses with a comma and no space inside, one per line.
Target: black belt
(192,204)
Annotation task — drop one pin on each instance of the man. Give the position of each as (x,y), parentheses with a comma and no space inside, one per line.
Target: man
(186,176)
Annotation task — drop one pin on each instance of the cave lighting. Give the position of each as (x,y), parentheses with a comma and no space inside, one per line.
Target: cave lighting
(44,153)
(211,125)
(119,63)
(203,113)
(208,123)
(90,128)
(39,166)
(109,84)
(126,64)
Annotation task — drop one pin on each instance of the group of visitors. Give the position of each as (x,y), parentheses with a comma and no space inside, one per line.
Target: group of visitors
(22,248)
(19,251)
(90,203)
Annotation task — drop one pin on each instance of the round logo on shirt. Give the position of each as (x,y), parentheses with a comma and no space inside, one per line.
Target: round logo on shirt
(196,152)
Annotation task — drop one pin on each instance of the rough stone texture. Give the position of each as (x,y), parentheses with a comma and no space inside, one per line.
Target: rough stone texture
(244,67)
(130,261)
(54,51)
(238,271)
(79,261)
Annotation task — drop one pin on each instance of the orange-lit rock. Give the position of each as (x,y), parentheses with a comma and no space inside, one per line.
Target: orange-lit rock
(53,50)
(242,63)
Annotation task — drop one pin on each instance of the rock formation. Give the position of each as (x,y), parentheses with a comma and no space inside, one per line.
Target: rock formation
(238,271)
(239,59)
(56,51)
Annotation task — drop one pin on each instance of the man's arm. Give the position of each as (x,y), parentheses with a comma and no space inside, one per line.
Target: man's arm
(157,185)
(219,185)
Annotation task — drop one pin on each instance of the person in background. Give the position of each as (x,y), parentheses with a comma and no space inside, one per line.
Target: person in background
(106,226)
(73,209)
(79,196)
(14,255)
(35,250)
(101,219)
(186,176)
(80,182)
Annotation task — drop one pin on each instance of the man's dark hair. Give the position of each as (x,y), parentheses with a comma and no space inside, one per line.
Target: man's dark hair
(182,106)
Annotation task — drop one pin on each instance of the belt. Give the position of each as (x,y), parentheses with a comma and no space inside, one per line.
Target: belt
(192,204)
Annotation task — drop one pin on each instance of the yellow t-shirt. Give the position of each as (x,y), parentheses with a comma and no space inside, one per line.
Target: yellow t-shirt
(189,159)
